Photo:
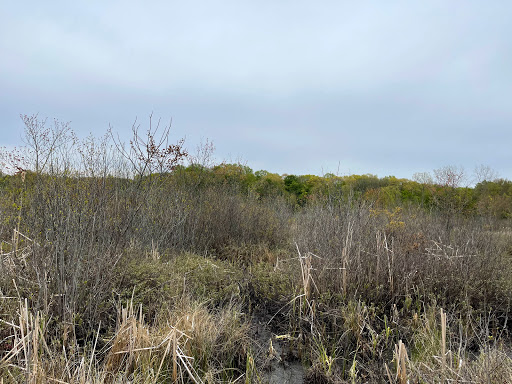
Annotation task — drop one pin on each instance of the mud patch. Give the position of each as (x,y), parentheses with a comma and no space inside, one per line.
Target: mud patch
(281,365)
(287,373)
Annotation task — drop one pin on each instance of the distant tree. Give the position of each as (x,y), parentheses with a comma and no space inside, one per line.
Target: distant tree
(450,176)
(451,195)
(423,178)
(426,181)
(268,184)
(484,173)
(495,198)
(203,155)
(296,186)
(235,175)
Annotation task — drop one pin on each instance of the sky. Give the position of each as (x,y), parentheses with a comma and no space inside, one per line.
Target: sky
(295,87)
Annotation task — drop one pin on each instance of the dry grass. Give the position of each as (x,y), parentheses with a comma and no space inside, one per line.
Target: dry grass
(193,344)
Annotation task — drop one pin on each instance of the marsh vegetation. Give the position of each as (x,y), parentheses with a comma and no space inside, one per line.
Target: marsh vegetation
(144,263)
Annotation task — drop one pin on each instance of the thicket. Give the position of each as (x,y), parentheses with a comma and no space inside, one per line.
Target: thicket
(142,262)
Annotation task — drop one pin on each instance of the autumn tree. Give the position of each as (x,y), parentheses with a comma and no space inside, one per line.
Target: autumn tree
(452,196)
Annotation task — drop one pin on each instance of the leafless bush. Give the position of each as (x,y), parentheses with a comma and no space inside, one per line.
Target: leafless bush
(400,252)
(79,214)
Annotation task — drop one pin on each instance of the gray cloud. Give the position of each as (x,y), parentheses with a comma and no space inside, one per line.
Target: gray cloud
(386,88)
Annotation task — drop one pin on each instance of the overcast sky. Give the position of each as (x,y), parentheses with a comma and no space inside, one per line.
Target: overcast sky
(382,87)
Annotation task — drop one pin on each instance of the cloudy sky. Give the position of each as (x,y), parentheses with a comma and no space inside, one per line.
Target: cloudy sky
(382,87)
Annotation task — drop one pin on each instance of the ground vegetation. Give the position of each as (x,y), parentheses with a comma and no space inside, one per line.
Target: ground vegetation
(140,262)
